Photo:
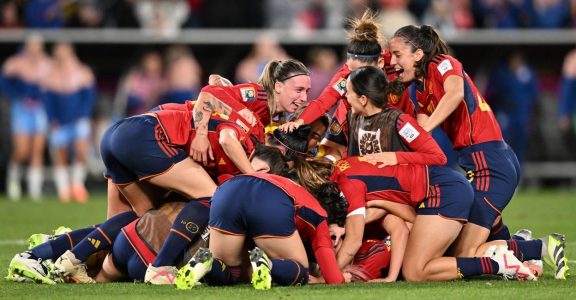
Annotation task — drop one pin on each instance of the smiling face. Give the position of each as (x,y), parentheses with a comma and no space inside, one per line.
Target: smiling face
(316,134)
(291,93)
(403,59)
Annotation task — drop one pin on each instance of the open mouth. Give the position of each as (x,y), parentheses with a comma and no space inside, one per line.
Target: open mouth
(399,71)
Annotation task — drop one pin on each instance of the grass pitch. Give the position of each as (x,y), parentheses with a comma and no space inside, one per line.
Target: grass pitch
(541,211)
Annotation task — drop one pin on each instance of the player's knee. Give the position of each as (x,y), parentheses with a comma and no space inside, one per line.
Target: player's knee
(412,271)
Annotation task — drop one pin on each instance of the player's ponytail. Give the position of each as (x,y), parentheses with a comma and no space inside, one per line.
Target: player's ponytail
(364,39)
(273,157)
(279,71)
(426,39)
(313,175)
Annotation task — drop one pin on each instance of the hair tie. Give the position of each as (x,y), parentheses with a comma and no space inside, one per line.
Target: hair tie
(362,56)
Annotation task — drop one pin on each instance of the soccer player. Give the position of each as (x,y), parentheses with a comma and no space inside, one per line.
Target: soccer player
(22,75)
(442,199)
(69,99)
(448,97)
(364,49)
(130,253)
(279,215)
(381,134)
(282,88)
(146,155)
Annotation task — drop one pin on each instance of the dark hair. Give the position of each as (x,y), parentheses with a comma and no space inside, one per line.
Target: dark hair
(313,175)
(365,39)
(372,82)
(273,157)
(295,142)
(325,118)
(426,39)
(279,71)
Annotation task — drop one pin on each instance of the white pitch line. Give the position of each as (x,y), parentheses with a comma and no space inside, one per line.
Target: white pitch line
(13,242)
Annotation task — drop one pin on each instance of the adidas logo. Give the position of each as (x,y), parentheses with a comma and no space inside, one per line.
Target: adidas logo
(94,242)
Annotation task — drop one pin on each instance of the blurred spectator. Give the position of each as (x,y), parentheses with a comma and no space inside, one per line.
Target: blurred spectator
(43,14)
(183,75)
(323,64)
(567,102)
(514,93)
(447,15)
(121,14)
(393,15)
(496,13)
(89,13)
(234,14)
(69,100)
(10,18)
(164,17)
(21,77)
(142,87)
(545,14)
(265,49)
(356,8)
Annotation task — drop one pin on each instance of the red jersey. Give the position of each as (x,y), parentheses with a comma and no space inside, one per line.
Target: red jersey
(246,95)
(256,131)
(405,184)
(336,91)
(177,129)
(354,191)
(311,224)
(473,121)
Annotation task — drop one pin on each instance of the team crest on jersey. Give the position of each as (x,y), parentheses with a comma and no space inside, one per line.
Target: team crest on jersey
(340,86)
(248,94)
(369,141)
(444,67)
(335,128)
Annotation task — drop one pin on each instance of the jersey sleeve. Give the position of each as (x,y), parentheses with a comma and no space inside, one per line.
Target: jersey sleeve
(354,191)
(335,91)
(226,94)
(338,129)
(443,66)
(325,255)
(425,150)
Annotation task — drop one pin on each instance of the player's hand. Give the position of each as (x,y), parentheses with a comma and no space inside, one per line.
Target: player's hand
(387,279)
(200,149)
(248,115)
(384,159)
(217,80)
(336,233)
(291,126)
(314,279)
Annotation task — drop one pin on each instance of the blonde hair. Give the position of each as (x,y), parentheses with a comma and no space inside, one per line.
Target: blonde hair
(279,71)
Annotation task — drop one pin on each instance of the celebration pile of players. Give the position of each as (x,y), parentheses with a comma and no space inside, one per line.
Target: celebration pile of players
(238,184)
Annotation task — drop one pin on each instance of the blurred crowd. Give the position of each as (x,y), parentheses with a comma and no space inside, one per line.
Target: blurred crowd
(168,16)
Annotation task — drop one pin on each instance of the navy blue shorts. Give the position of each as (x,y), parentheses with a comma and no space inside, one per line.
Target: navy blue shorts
(449,195)
(494,172)
(135,149)
(127,260)
(254,207)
